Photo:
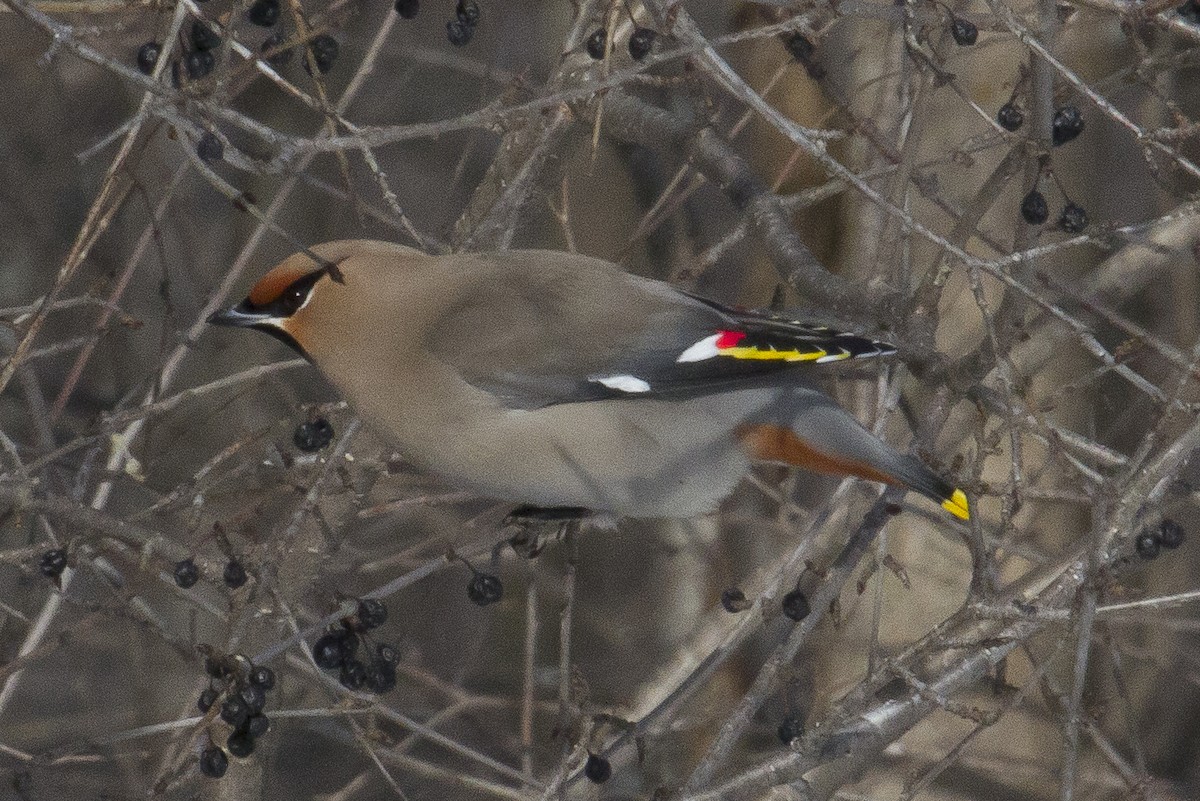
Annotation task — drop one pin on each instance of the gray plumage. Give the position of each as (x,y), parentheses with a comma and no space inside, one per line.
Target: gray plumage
(487,369)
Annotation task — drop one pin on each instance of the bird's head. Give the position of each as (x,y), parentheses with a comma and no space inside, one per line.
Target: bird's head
(330,297)
(279,304)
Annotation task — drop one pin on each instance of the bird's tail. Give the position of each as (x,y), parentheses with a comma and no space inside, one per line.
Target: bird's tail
(822,437)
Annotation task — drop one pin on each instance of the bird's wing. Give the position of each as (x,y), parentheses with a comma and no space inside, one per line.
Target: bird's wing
(591,334)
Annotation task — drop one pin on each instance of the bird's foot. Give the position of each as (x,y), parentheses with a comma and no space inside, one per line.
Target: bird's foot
(547,514)
(537,525)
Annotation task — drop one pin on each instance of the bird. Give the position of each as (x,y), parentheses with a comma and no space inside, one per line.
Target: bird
(557,380)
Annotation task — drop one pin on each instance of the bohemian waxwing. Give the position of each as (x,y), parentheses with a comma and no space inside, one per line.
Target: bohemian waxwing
(558,380)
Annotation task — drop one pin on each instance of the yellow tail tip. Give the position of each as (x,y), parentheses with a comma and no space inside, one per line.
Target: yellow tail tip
(957,505)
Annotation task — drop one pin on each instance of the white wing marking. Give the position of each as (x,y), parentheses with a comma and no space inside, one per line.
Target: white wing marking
(704,349)
(623,383)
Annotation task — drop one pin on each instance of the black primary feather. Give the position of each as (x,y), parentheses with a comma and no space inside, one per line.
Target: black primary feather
(542,334)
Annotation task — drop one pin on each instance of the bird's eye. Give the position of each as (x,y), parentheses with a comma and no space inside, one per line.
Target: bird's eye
(293,298)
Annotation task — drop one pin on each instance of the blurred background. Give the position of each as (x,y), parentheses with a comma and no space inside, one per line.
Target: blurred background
(1004,189)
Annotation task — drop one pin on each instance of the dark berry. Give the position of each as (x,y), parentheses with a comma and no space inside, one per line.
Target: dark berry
(1170,534)
(796,606)
(790,729)
(1068,124)
(254,697)
(262,677)
(353,675)
(147,57)
(1073,219)
(240,744)
(198,64)
(279,59)
(263,13)
(186,573)
(734,600)
(313,436)
(257,725)
(1010,117)
(467,12)
(213,763)
(407,9)
(964,32)
(485,589)
(235,574)
(324,49)
(381,677)
(1147,544)
(210,148)
(328,651)
(387,652)
(347,642)
(204,38)
(596,43)
(598,770)
(53,562)
(234,711)
(458,33)
(207,698)
(640,42)
(372,613)
(1034,208)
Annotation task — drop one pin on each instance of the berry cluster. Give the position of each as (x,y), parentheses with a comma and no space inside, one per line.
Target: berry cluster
(641,42)
(187,573)
(1035,211)
(238,690)
(338,649)
(1066,126)
(1149,542)
(461,29)
(198,57)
